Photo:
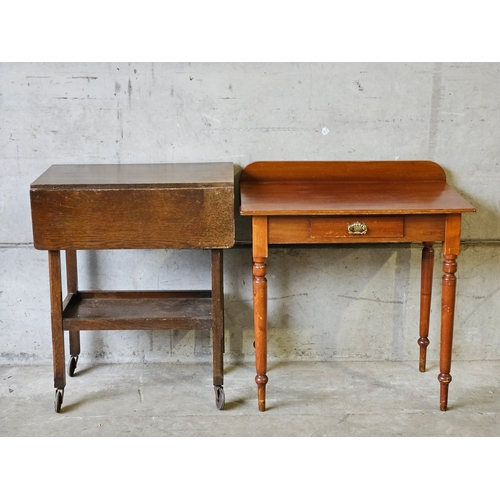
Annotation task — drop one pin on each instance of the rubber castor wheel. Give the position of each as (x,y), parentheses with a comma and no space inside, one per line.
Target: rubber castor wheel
(220,397)
(58,399)
(72,365)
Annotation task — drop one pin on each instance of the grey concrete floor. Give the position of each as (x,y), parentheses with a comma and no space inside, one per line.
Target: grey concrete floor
(343,399)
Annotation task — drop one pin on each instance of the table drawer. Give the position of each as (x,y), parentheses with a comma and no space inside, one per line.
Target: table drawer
(352,227)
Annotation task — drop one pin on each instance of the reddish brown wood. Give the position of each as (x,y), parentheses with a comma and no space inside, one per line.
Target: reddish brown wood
(297,229)
(451,249)
(352,188)
(342,171)
(259,253)
(312,202)
(344,227)
(425,300)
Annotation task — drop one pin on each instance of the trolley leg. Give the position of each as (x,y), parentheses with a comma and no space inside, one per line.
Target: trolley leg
(74,335)
(218,327)
(57,327)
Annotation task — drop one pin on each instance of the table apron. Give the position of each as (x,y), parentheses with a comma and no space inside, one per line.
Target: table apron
(335,229)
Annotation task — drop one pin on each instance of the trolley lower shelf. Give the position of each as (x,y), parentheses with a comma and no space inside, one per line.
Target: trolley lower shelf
(138,310)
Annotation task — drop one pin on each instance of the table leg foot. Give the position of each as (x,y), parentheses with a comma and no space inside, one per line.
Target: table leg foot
(261,381)
(423,343)
(444,380)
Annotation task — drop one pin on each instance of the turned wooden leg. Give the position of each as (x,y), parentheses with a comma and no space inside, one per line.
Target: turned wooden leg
(56,319)
(451,249)
(447,317)
(260,327)
(259,270)
(425,300)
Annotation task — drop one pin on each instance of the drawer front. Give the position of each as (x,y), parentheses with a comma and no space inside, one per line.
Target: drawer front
(352,227)
(316,229)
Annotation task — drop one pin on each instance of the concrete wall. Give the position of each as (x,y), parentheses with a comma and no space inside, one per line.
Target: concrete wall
(325,303)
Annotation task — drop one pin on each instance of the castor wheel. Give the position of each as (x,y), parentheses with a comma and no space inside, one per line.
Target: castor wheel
(72,365)
(220,397)
(58,399)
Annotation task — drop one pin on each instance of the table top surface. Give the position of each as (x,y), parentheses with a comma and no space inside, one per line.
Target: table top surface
(124,176)
(336,188)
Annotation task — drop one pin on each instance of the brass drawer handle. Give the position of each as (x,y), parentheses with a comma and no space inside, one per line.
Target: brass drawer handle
(357,228)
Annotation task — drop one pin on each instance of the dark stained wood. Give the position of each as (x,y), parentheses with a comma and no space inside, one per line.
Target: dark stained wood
(56,319)
(139,218)
(71,271)
(145,294)
(98,212)
(315,202)
(72,284)
(133,206)
(120,176)
(217,316)
(114,311)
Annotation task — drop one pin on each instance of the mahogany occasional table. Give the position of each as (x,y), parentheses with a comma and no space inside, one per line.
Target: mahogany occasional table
(152,206)
(355,202)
